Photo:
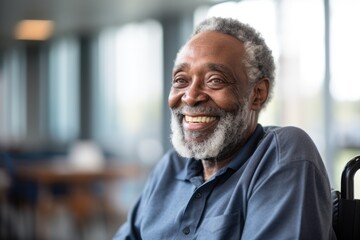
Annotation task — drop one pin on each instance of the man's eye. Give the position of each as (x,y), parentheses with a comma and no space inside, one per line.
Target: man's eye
(216,80)
(179,82)
(216,83)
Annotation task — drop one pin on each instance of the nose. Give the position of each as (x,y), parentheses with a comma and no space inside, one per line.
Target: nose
(194,94)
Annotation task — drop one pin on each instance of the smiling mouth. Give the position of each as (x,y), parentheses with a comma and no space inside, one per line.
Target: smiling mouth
(199,119)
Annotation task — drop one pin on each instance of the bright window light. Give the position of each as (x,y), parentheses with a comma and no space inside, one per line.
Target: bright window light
(129,90)
(345,49)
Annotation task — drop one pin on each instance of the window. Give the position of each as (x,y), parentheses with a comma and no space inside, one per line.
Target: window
(128,90)
(64,90)
(345,82)
(13,98)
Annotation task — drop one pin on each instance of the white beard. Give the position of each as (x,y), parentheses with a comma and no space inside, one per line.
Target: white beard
(227,135)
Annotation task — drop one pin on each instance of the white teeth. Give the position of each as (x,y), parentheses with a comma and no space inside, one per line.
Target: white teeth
(200,119)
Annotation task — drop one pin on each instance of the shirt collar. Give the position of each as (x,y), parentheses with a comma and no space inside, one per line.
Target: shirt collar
(248,149)
(194,167)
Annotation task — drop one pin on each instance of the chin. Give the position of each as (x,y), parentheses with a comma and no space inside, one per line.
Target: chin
(218,143)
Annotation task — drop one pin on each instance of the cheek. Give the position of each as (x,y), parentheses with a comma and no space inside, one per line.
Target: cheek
(174,98)
(227,101)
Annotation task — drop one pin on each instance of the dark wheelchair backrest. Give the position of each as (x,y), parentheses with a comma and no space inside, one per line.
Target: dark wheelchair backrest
(346,209)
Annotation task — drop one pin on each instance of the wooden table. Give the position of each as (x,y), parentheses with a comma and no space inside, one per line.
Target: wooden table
(81,199)
(54,172)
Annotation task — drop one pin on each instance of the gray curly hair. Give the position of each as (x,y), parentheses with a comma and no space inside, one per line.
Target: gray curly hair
(259,61)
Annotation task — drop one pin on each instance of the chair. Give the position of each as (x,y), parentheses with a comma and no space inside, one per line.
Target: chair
(346,209)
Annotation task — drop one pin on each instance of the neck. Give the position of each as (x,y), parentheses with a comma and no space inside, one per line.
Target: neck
(211,166)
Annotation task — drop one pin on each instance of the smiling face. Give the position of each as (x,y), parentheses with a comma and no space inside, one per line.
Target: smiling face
(211,102)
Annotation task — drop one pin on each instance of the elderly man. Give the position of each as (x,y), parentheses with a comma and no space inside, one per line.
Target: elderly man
(229,177)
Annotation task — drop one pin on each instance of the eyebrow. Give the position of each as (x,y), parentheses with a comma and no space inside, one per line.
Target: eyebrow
(219,68)
(212,66)
(180,66)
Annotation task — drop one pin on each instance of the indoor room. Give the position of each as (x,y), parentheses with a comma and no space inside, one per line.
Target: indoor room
(84,87)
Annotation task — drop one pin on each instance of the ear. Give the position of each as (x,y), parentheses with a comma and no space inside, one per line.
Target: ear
(260,93)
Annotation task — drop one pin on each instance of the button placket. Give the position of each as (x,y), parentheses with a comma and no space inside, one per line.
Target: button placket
(198,195)
(186,230)
(194,209)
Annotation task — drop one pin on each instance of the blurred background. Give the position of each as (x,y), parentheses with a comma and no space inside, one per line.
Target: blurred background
(83,98)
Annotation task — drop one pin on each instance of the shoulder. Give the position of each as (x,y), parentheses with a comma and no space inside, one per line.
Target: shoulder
(291,143)
(290,150)
(286,132)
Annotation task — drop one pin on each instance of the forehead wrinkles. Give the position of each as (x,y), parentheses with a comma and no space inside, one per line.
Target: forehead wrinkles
(192,53)
(207,44)
(214,48)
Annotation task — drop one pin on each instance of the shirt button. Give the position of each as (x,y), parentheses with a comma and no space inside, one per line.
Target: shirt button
(198,195)
(186,230)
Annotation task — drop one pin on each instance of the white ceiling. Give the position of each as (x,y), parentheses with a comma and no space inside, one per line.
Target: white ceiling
(85,15)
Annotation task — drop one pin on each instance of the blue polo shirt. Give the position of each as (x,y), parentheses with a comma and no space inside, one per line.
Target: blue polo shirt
(275,188)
